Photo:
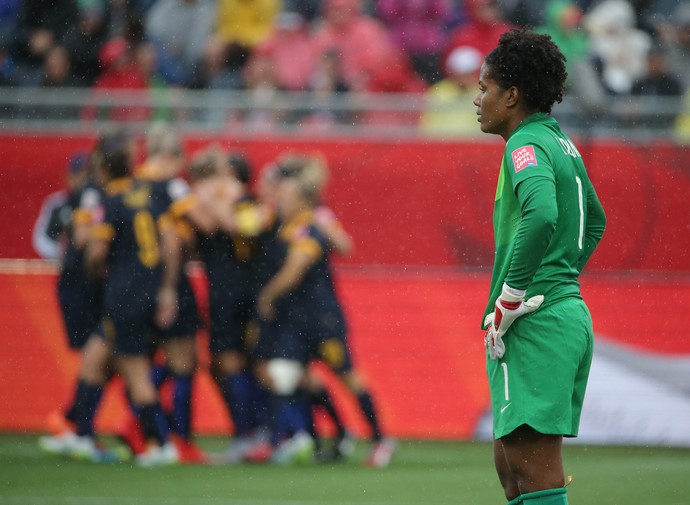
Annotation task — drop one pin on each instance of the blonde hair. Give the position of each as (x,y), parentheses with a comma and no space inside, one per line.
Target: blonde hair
(206,163)
(162,139)
(310,172)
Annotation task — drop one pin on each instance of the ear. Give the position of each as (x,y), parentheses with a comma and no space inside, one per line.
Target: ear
(512,95)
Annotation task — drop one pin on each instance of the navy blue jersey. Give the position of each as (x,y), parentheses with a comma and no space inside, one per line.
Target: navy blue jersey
(314,301)
(80,296)
(131,213)
(173,197)
(230,261)
(310,313)
(81,205)
(270,255)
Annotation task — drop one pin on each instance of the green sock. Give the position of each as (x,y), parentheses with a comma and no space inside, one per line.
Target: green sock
(515,501)
(546,497)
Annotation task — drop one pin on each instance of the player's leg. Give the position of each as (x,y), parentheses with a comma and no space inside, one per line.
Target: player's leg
(94,372)
(534,460)
(229,368)
(282,356)
(290,430)
(181,359)
(243,396)
(383,447)
(80,307)
(320,399)
(230,364)
(536,391)
(178,342)
(136,371)
(336,354)
(129,331)
(242,381)
(505,475)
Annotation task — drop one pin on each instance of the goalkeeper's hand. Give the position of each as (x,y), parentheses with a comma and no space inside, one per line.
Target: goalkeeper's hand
(509,306)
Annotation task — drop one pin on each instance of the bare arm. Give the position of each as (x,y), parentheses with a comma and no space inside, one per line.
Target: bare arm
(96,256)
(326,222)
(171,259)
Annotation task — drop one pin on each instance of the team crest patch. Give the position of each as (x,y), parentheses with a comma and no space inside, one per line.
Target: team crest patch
(524,157)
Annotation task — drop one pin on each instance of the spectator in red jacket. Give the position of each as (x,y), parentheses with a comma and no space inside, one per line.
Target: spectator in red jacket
(120,73)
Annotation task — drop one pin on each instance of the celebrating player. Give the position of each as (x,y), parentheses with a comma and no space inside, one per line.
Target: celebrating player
(81,298)
(132,253)
(228,254)
(332,348)
(547,223)
(165,159)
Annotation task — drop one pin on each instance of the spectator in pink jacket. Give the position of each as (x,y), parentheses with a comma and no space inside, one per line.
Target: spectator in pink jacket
(291,49)
(419,28)
(361,42)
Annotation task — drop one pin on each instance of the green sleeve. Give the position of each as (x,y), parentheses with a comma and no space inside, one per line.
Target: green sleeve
(537,197)
(595,223)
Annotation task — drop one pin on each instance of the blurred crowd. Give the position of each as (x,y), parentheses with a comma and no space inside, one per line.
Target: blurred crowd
(329,47)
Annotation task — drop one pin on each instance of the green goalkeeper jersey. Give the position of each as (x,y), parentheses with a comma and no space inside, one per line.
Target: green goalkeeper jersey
(547,217)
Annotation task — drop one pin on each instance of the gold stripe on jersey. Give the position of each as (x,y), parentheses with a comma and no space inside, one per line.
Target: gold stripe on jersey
(309,246)
(119,186)
(302,219)
(166,221)
(333,352)
(180,207)
(82,216)
(184,229)
(103,231)
(138,197)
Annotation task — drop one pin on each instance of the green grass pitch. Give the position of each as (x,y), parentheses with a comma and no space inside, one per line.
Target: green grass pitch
(422,473)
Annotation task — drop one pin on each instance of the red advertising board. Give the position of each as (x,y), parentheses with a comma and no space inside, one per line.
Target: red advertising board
(412,203)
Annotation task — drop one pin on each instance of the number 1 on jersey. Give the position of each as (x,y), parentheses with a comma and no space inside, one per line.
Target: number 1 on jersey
(580,201)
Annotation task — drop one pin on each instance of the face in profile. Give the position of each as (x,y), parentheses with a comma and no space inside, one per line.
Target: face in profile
(290,197)
(490,103)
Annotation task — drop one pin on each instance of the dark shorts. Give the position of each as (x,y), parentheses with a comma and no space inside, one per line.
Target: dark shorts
(333,351)
(330,344)
(282,339)
(129,321)
(229,322)
(81,304)
(129,336)
(188,320)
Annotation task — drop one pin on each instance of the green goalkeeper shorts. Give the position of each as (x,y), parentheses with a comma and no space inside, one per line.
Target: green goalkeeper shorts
(542,377)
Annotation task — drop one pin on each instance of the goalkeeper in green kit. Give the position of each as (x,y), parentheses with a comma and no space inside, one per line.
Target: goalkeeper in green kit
(547,222)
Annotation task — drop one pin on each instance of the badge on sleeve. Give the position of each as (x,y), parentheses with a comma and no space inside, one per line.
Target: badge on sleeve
(524,157)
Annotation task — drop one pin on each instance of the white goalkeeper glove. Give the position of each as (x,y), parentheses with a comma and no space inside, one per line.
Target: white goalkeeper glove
(509,306)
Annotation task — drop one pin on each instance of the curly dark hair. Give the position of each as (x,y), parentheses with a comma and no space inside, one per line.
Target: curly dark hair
(531,62)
